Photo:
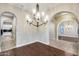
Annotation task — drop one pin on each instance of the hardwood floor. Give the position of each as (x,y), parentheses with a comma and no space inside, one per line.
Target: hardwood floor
(36,49)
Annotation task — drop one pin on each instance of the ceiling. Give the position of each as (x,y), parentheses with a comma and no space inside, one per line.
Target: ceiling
(43,6)
(46,7)
(30,6)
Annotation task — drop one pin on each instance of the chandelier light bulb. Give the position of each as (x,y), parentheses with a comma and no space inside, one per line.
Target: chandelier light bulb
(29,20)
(46,18)
(27,16)
(43,13)
(38,15)
(34,11)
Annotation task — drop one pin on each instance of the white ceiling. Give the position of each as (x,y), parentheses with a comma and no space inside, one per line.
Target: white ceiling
(46,7)
(43,6)
(30,6)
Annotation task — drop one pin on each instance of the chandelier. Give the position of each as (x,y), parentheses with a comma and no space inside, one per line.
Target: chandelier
(38,18)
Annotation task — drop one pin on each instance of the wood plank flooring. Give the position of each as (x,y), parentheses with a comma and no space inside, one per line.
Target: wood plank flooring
(36,49)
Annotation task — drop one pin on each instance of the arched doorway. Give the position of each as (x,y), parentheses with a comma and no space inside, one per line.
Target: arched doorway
(7,30)
(66,26)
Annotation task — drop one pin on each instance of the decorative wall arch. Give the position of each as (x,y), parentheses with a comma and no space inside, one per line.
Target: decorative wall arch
(62,17)
(7,30)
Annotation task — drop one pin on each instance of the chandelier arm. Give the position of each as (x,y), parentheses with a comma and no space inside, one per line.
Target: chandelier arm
(37,25)
(42,24)
(33,24)
(37,21)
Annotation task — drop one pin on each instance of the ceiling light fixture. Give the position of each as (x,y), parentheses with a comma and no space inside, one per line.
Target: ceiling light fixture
(38,18)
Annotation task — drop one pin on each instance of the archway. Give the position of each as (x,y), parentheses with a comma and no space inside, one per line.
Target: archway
(7,30)
(66,25)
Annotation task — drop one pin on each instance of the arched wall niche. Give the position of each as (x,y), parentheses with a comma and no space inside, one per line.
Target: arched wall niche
(7,30)
(66,19)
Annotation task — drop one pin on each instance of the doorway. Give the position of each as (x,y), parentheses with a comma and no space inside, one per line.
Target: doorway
(66,26)
(7,31)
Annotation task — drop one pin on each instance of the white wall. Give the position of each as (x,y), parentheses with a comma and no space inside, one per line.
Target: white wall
(29,34)
(25,33)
